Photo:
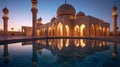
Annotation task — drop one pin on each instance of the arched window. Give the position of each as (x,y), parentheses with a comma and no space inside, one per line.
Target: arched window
(104,31)
(100,31)
(97,30)
(83,30)
(66,30)
(108,31)
(92,30)
(60,29)
(76,30)
(49,31)
(53,30)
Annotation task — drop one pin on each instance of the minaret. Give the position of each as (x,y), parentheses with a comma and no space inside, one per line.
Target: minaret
(34,54)
(5,20)
(34,17)
(114,20)
(6,54)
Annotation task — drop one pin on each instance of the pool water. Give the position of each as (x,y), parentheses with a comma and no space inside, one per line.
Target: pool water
(60,53)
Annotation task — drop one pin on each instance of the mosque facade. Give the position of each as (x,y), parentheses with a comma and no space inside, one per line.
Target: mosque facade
(69,23)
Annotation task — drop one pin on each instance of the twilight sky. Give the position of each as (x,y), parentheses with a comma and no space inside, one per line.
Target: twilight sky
(20,10)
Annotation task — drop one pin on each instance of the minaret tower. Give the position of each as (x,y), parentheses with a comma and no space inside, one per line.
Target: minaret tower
(5,20)
(114,50)
(114,20)
(34,17)
(6,54)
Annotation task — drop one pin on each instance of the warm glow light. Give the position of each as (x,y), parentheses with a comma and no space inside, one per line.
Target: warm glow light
(76,42)
(53,30)
(60,29)
(38,32)
(82,43)
(60,44)
(92,30)
(49,31)
(67,43)
(50,42)
(67,30)
(82,30)
(108,31)
(100,45)
(76,30)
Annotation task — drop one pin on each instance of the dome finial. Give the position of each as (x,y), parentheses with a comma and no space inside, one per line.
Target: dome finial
(65,2)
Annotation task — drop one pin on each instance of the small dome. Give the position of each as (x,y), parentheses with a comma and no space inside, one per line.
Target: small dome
(5,10)
(53,19)
(34,0)
(40,19)
(66,9)
(81,14)
(114,8)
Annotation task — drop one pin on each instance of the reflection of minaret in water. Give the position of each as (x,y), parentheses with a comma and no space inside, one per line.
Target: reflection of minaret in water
(114,50)
(6,54)
(34,55)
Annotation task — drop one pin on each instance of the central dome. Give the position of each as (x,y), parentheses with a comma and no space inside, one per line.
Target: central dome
(66,9)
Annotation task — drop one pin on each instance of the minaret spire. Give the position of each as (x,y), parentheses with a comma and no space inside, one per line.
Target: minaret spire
(65,2)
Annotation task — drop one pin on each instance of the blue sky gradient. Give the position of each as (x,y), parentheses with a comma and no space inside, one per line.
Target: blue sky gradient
(20,10)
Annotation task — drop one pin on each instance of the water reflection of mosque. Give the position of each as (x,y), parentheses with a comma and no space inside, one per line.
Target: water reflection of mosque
(65,49)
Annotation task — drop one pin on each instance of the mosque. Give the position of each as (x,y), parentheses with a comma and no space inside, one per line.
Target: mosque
(69,23)
(66,23)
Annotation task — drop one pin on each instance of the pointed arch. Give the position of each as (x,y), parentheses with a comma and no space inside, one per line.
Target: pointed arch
(108,31)
(53,30)
(60,29)
(100,31)
(49,31)
(97,30)
(104,31)
(76,30)
(66,30)
(92,30)
(83,30)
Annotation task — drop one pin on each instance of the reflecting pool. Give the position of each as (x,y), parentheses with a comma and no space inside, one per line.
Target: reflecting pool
(60,53)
